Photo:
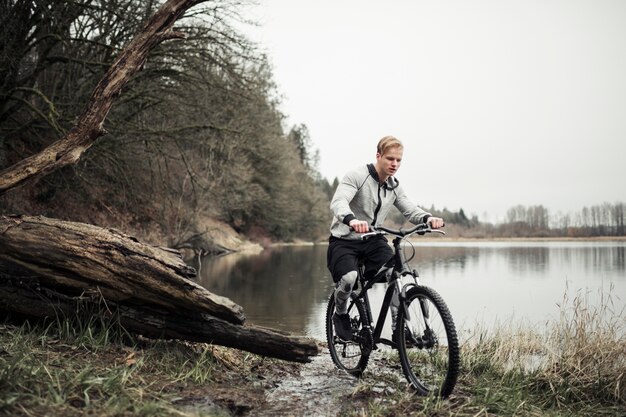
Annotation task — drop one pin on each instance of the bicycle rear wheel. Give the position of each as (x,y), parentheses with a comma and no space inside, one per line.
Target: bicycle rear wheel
(427,343)
(351,356)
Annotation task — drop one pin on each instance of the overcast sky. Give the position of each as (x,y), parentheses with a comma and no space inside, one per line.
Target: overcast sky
(498,102)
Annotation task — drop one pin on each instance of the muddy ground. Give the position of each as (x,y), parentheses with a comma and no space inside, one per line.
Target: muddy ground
(314,389)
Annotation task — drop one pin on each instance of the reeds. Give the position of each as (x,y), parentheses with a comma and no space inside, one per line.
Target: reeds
(575,365)
(585,359)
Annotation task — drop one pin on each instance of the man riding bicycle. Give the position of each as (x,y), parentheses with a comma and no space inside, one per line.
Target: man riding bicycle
(363,198)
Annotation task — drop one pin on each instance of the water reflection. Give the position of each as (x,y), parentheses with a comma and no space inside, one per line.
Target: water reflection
(523,260)
(277,288)
(482,282)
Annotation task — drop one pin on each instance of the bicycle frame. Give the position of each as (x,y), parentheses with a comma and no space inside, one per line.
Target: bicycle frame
(400,269)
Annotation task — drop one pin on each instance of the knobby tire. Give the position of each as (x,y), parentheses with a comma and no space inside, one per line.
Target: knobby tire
(351,356)
(430,360)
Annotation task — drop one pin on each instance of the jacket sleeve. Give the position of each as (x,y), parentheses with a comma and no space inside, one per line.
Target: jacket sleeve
(411,211)
(340,204)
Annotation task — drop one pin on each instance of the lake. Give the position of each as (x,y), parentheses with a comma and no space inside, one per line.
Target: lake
(484,283)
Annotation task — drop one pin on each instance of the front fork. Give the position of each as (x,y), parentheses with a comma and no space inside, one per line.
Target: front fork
(402,291)
(401,272)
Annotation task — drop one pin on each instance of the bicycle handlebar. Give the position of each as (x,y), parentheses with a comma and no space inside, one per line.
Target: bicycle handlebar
(420,229)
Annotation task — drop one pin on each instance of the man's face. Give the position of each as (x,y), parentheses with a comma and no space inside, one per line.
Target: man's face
(389,163)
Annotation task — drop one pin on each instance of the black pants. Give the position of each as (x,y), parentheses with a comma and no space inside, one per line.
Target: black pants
(343,255)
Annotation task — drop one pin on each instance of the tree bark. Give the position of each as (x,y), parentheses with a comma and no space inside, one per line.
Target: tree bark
(81,257)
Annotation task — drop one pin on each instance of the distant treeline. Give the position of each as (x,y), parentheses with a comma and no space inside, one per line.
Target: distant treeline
(607,219)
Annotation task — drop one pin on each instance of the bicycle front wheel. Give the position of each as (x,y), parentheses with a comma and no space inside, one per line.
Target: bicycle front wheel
(351,356)
(427,342)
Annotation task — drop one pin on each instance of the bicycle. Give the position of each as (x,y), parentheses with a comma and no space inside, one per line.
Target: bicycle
(425,335)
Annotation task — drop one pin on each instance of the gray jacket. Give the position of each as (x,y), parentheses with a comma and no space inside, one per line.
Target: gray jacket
(360,196)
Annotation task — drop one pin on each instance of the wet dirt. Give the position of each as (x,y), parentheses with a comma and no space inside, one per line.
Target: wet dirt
(270,388)
(320,389)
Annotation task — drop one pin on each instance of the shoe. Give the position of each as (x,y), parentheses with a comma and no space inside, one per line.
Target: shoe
(343,329)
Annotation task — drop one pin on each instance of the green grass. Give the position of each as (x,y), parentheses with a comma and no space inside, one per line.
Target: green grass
(83,366)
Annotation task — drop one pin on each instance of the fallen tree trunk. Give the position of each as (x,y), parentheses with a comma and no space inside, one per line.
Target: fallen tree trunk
(66,264)
(27,295)
(79,257)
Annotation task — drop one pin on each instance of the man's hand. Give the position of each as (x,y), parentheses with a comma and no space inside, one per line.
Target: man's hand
(435,222)
(359,226)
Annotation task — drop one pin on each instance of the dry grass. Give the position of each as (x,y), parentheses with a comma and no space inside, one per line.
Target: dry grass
(575,365)
(585,357)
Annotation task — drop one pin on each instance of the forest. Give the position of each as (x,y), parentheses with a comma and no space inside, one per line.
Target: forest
(198,134)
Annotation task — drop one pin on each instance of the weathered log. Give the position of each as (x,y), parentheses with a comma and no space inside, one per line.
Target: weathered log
(255,339)
(27,297)
(58,266)
(81,257)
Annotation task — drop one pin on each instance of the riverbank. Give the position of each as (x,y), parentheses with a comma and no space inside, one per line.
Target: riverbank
(531,239)
(575,366)
(439,239)
(214,236)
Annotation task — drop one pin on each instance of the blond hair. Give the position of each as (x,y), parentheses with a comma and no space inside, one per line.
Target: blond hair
(387,143)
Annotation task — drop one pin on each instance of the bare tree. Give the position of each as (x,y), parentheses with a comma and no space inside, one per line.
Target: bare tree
(89,125)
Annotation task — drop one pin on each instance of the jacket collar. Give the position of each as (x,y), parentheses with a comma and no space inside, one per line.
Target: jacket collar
(391,182)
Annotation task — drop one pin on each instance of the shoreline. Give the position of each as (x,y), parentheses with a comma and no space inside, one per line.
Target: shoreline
(527,239)
(477,239)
